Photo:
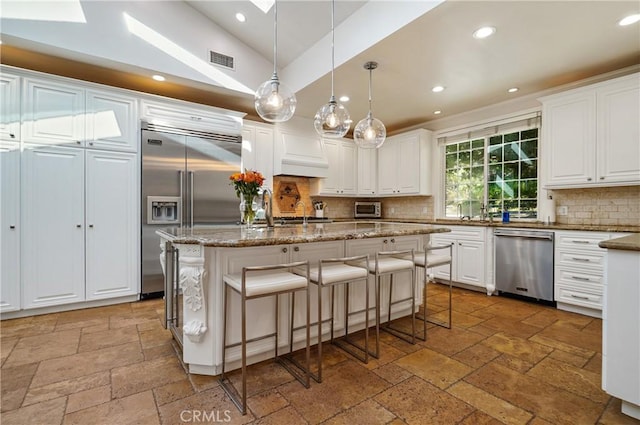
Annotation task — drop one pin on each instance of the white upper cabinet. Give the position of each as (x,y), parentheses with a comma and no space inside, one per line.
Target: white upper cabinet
(52,113)
(257,150)
(403,164)
(111,121)
(342,178)
(9,107)
(367,172)
(591,135)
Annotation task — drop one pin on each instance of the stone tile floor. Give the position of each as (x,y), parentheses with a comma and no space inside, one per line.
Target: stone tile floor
(504,362)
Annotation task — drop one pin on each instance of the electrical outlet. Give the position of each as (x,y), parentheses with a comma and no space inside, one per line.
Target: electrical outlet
(563,210)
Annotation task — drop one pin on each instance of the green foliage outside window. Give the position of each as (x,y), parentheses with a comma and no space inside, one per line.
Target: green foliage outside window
(499,171)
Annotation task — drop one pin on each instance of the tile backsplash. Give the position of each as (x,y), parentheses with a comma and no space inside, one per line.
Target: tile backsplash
(616,206)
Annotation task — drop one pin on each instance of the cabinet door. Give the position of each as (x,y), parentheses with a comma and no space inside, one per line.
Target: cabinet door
(53,113)
(112,224)
(387,169)
(470,262)
(408,166)
(111,121)
(442,272)
(569,139)
(53,218)
(349,163)
(257,151)
(367,171)
(332,184)
(9,226)
(619,132)
(9,107)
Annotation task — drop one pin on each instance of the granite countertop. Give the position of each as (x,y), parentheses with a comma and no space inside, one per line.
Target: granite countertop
(237,236)
(520,225)
(627,243)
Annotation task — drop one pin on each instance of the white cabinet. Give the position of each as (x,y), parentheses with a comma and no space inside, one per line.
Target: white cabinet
(52,113)
(298,150)
(53,218)
(579,271)
(58,113)
(9,107)
(590,135)
(9,226)
(367,172)
(111,224)
(111,121)
(403,164)
(469,262)
(257,150)
(342,158)
(70,238)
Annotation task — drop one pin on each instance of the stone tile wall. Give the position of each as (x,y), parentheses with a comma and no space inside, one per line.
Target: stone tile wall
(599,206)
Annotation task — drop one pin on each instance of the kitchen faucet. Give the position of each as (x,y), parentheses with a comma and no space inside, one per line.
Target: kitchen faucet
(268,213)
(460,216)
(304,212)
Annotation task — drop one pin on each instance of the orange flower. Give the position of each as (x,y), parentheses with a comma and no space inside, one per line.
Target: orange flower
(247,183)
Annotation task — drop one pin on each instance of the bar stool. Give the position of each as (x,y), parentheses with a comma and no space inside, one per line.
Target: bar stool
(387,264)
(331,272)
(427,260)
(257,282)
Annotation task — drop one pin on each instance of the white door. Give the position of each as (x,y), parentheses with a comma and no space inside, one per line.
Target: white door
(112,251)
(9,107)
(53,225)
(53,113)
(387,168)
(470,262)
(9,226)
(619,132)
(349,162)
(257,151)
(332,184)
(367,171)
(408,166)
(111,121)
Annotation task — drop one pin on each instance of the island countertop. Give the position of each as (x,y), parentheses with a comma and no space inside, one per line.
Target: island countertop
(238,236)
(628,243)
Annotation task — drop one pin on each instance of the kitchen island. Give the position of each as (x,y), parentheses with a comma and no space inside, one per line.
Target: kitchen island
(205,254)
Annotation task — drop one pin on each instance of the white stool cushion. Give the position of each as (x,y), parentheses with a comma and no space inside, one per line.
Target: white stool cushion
(336,272)
(388,264)
(266,282)
(433,260)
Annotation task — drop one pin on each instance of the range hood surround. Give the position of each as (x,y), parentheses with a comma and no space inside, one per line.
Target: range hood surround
(298,150)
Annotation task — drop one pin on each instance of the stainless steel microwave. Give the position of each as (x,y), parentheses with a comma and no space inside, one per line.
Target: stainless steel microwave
(370,209)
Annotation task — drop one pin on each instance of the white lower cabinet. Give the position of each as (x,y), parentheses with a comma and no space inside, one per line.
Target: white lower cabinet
(9,226)
(80,230)
(468,255)
(579,271)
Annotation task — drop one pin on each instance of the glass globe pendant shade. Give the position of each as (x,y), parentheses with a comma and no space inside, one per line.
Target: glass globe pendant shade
(369,133)
(332,120)
(275,102)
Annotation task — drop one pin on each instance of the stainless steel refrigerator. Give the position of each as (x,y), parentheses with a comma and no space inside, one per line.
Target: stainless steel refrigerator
(185,183)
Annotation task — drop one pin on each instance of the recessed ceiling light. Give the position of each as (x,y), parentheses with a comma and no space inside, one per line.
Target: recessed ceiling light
(240,17)
(437,112)
(437,89)
(513,89)
(344,98)
(158,77)
(484,32)
(628,20)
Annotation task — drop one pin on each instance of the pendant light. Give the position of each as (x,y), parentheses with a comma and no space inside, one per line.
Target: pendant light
(332,119)
(275,102)
(370,132)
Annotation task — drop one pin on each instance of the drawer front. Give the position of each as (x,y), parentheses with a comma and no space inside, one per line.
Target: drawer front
(466,233)
(579,277)
(581,259)
(586,297)
(581,240)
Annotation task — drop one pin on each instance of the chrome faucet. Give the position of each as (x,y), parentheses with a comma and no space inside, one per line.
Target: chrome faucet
(304,212)
(268,211)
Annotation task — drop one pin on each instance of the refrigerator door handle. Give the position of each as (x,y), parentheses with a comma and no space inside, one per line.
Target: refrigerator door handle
(192,175)
(181,178)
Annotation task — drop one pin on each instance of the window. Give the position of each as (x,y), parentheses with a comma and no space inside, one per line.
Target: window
(499,171)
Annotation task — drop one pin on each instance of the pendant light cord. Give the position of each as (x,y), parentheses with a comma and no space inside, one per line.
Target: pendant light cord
(275,40)
(370,69)
(333,53)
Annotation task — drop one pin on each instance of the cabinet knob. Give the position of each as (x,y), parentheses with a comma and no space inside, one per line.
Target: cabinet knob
(602,178)
(77,142)
(78,225)
(90,143)
(296,248)
(385,241)
(284,249)
(13,136)
(460,243)
(393,240)
(91,225)
(12,227)
(196,118)
(588,179)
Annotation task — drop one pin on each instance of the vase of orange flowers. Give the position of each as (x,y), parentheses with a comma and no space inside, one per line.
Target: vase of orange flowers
(247,186)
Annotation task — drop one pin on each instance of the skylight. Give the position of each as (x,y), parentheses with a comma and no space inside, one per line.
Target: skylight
(263,5)
(56,11)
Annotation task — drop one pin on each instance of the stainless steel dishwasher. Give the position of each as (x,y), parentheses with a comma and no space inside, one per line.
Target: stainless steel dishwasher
(524,263)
